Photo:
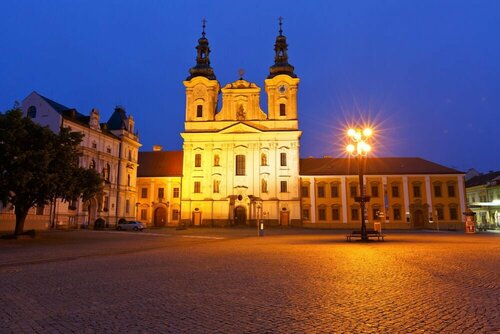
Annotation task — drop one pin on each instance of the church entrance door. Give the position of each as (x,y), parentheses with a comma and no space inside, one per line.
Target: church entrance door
(418,219)
(284,218)
(160,218)
(240,215)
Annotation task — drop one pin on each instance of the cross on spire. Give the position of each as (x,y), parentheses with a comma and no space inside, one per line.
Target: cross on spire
(241,73)
(203,25)
(281,23)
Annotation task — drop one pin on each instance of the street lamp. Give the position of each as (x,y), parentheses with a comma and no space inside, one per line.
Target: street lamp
(359,148)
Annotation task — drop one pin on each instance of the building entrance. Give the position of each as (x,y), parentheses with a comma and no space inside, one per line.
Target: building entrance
(240,215)
(160,218)
(418,219)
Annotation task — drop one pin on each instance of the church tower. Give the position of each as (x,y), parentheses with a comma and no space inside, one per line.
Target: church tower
(282,84)
(202,87)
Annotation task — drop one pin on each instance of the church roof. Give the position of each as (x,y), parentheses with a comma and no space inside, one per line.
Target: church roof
(374,166)
(160,164)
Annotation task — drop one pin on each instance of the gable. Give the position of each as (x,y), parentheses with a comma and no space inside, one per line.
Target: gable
(240,128)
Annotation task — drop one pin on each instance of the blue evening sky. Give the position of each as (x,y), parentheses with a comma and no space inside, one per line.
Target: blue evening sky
(427,73)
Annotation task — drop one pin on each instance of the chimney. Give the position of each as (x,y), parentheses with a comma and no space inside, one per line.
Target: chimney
(157,148)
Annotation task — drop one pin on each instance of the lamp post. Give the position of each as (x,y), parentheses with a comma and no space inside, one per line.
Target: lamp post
(359,148)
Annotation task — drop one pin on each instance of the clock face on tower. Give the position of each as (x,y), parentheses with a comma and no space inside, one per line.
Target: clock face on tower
(282,89)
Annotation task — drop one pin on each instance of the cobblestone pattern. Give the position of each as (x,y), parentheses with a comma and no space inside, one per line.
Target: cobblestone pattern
(314,283)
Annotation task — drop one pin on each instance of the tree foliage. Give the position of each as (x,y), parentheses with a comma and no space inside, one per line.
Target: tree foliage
(37,166)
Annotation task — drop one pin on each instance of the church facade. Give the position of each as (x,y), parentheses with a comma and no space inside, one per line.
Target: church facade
(241,164)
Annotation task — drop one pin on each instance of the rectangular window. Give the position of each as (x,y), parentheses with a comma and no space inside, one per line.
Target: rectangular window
(284,187)
(321,191)
(353,190)
(374,191)
(335,191)
(305,214)
(176,193)
(322,214)
(451,190)
(161,192)
(305,191)
(144,214)
(453,213)
(440,213)
(106,203)
(335,214)
(197,187)
(175,215)
(395,191)
(354,214)
(144,192)
(199,111)
(437,190)
(282,109)
(39,210)
(127,206)
(396,212)
(282,159)
(416,191)
(240,164)
(197,160)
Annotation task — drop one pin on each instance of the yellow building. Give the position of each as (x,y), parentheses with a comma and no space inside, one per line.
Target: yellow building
(405,193)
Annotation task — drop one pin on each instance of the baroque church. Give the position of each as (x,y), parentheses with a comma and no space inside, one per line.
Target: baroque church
(241,164)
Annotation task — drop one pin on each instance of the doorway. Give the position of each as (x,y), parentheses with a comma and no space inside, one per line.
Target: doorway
(240,215)
(196,218)
(418,219)
(284,218)
(160,217)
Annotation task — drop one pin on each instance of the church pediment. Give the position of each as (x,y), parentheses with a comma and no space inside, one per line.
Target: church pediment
(240,128)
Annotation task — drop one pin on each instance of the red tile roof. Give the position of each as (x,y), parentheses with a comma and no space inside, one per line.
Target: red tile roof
(373,166)
(160,164)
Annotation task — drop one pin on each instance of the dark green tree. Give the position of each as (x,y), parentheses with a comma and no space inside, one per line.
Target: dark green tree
(38,166)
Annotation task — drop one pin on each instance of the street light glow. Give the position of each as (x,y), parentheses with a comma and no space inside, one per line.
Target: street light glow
(367,132)
(350,148)
(351,132)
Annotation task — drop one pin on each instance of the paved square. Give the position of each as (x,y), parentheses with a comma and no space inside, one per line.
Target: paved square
(229,281)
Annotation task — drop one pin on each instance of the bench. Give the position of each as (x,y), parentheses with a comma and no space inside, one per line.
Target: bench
(369,233)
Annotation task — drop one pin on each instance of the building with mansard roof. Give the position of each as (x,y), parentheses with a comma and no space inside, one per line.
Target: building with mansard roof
(110,148)
(241,164)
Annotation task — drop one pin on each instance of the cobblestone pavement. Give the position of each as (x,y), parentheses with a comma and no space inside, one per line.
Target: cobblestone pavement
(229,281)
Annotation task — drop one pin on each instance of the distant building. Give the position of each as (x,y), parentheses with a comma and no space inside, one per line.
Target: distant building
(111,148)
(483,198)
(240,165)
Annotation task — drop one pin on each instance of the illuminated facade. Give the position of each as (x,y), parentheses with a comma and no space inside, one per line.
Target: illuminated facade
(483,198)
(111,148)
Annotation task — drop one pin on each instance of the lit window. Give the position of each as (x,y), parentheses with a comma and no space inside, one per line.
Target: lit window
(240,164)
(335,214)
(284,187)
(197,160)
(199,111)
(176,193)
(197,187)
(282,109)
(282,159)
(144,192)
(161,192)
(321,191)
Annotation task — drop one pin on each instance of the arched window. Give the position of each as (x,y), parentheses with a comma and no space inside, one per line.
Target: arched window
(31,112)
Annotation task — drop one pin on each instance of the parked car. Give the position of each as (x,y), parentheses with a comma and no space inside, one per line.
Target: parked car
(130,225)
